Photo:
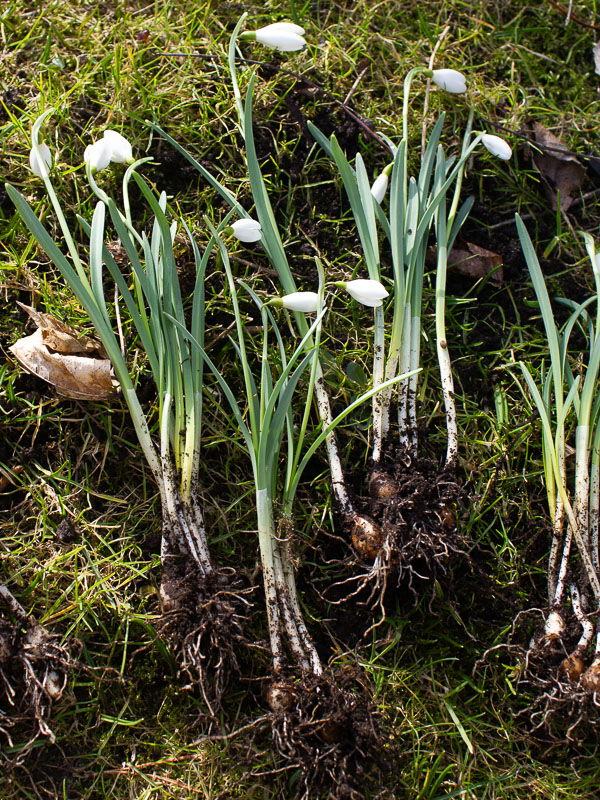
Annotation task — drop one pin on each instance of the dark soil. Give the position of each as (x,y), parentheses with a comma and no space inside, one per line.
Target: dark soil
(202,625)
(34,670)
(325,728)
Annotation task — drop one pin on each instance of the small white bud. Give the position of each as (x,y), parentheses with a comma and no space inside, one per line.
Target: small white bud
(497,146)
(120,148)
(246,230)
(368,292)
(40,160)
(450,80)
(98,155)
(284,36)
(379,187)
(306,302)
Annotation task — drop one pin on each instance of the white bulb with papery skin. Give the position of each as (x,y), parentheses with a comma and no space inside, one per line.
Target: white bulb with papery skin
(246,230)
(368,292)
(497,146)
(379,188)
(40,160)
(306,302)
(450,80)
(98,155)
(121,151)
(283,36)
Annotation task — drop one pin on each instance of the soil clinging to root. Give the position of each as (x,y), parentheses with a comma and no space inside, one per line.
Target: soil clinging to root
(407,533)
(34,671)
(324,727)
(201,623)
(565,688)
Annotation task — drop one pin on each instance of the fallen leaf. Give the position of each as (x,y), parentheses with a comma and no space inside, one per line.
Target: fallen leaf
(58,356)
(7,478)
(472,261)
(561,171)
(596,51)
(59,337)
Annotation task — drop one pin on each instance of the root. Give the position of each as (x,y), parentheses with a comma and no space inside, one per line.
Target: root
(34,672)
(327,731)
(408,535)
(559,678)
(202,625)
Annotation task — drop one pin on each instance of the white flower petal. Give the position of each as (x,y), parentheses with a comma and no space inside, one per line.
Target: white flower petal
(281,37)
(40,160)
(306,302)
(368,292)
(451,80)
(379,187)
(98,155)
(497,146)
(247,230)
(289,27)
(121,151)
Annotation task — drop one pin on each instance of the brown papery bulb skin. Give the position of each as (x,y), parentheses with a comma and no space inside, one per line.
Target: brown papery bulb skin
(367,537)
(590,679)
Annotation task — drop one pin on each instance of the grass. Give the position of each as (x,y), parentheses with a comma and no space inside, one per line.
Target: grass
(127,727)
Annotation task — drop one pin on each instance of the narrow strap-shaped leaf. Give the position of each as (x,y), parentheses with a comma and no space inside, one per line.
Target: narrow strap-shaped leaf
(429,158)
(271,239)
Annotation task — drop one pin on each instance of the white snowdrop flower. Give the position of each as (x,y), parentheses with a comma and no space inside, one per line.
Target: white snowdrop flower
(379,187)
(40,160)
(368,292)
(98,155)
(450,80)
(284,36)
(496,146)
(121,151)
(306,302)
(246,230)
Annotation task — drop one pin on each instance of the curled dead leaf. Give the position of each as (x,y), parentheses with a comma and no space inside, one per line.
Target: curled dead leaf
(561,172)
(58,356)
(59,337)
(472,261)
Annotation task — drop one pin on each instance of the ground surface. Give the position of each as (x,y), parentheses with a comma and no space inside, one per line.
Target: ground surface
(80,525)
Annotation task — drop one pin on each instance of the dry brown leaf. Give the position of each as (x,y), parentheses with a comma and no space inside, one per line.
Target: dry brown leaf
(596,51)
(47,354)
(8,478)
(472,261)
(58,336)
(561,171)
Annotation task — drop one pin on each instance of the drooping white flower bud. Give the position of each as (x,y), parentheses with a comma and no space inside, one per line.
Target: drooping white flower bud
(379,187)
(40,160)
(497,146)
(450,80)
(368,292)
(121,151)
(98,155)
(246,230)
(284,36)
(306,302)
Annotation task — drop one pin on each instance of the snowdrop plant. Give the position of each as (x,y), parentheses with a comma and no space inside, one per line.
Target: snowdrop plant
(567,395)
(156,310)
(416,204)
(273,246)
(269,391)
